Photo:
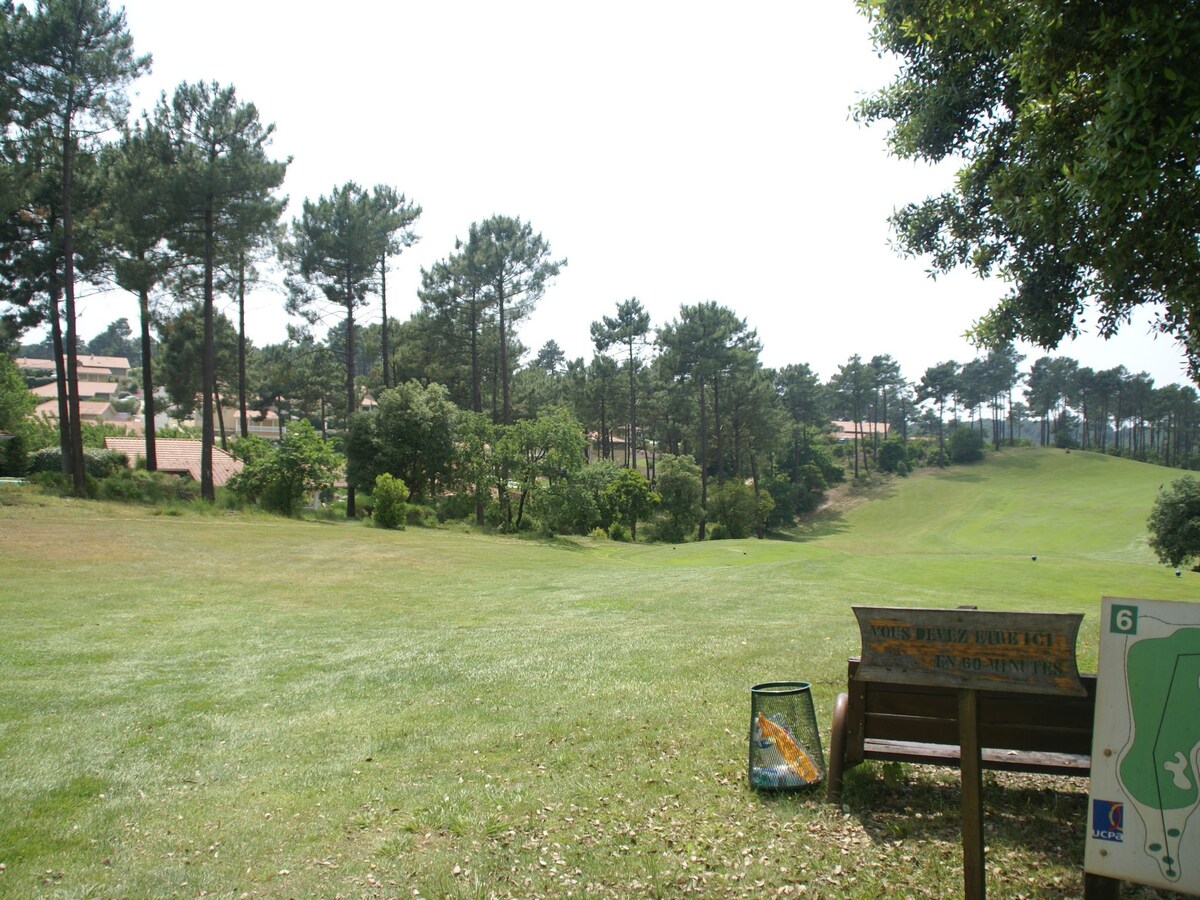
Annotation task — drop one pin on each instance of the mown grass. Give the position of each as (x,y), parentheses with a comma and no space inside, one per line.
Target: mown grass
(234,706)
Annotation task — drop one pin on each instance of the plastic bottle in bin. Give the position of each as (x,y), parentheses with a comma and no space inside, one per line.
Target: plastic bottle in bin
(785,746)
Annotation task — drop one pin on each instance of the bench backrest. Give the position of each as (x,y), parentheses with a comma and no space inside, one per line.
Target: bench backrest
(1007,721)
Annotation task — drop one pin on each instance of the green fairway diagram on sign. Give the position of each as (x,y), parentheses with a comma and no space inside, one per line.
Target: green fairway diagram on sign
(1146,755)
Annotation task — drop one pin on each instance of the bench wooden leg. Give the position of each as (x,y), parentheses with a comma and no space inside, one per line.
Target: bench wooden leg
(837,750)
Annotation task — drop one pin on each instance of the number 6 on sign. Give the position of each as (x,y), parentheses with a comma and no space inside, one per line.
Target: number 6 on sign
(1123,620)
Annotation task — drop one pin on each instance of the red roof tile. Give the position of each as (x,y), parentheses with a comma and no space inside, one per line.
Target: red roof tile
(178,455)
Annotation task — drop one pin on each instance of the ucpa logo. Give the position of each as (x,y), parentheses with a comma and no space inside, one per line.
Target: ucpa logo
(1107,818)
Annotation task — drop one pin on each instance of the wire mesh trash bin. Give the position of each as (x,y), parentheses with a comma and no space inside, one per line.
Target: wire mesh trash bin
(785,745)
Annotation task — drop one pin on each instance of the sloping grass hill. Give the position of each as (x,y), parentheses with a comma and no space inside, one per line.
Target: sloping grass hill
(248,706)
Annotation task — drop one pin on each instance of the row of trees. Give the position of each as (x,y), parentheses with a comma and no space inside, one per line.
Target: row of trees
(185,198)
(184,204)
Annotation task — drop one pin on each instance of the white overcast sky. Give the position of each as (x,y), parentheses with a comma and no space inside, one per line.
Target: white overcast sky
(674,151)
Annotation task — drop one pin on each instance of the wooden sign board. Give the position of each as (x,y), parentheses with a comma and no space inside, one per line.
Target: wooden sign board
(970,649)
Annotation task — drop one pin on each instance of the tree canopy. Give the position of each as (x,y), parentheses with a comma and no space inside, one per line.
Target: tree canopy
(1174,522)
(1080,176)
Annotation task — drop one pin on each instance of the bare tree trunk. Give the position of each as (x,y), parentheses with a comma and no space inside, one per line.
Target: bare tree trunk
(383,332)
(208,365)
(60,367)
(148,411)
(350,511)
(242,415)
(74,428)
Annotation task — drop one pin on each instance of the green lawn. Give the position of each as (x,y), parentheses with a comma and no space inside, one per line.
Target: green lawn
(232,706)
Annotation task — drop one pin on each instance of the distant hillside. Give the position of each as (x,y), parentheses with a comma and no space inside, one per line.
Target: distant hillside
(1022,501)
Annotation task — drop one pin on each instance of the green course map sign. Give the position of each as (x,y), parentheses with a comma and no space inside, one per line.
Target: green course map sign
(1143,824)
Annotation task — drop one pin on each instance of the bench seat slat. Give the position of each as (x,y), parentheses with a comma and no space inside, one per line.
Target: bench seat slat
(1042,761)
(1018,732)
(1011,735)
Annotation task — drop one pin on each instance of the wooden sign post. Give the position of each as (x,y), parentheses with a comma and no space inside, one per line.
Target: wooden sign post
(973,651)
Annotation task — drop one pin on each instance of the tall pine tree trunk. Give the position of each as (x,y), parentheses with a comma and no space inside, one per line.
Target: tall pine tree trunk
(350,510)
(60,368)
(703,463)
(242,414)
(148,410)
(208,363)
(506,403)
(383,332)
(74,427)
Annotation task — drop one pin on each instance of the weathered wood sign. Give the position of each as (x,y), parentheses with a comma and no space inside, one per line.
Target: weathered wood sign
(970,649)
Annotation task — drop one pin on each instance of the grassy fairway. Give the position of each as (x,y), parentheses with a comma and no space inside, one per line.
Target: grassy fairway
(239,705)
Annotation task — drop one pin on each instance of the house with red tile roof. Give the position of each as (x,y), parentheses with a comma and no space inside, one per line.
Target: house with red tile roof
(99,381)
(177,456)
(89,410)
(847,431)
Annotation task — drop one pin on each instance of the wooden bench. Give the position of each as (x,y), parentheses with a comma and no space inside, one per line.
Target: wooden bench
(1018,732)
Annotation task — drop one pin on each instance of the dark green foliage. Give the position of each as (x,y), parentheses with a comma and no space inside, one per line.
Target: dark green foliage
(1174,522)
(531,451)
(816,456)
(419,515)
(618,531)
(39,433)
(15,400)
(222,201)
(77,61)
(410,435)
(98,463)
(115,340)
(181,362)
(14,458)
(965,445)
(790,501)
(1064,439)
(1079,182)
(893,457)
(278,478)
(140,486)
(678,487)
(738,511)
(573,505)
(456,507)
(510,265)
(389,501)
(628,498)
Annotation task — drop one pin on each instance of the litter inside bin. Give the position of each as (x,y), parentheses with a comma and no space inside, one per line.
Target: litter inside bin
(781,761)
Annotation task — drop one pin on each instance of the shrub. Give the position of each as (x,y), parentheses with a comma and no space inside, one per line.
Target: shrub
(966,445)
(420,515)
(892,455)
(14,460)
(390,498)
(738,510)
(96,463)
(677,484)
(627,498)
(278,477)
(618,532)
(1174,522)
(140,486)
(565,507)
(454,507)
(51,482)
(794,500)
